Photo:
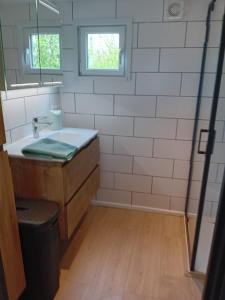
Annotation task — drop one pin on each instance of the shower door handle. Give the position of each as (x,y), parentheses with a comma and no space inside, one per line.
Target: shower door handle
(200,140)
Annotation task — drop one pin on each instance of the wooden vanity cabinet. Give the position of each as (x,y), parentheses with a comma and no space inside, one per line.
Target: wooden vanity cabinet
(71,184)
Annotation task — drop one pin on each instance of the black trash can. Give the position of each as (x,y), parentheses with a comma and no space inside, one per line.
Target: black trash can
(39,233)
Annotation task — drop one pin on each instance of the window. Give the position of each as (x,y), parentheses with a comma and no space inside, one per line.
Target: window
(104,50)
(42,50)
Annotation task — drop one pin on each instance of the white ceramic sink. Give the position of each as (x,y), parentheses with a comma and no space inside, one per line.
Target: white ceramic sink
(74,136)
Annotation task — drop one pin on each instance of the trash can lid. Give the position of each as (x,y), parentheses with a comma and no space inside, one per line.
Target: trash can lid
(36,212)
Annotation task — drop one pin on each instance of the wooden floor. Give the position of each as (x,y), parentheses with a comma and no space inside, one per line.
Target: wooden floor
(127,255)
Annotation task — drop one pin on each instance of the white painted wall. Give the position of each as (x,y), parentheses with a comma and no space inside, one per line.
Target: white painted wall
(145,123)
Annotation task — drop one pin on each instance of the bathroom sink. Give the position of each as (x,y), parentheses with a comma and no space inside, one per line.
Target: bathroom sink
(77,137)
(66,137)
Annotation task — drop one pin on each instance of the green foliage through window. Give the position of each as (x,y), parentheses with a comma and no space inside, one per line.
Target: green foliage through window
(47,55)
(103,51)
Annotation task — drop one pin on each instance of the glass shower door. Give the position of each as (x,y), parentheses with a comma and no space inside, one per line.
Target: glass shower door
(198,162)
(203,176)
(200,133)
(215,164)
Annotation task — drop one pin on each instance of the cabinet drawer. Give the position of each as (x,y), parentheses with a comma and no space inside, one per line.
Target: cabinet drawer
(76,171)
(76,208)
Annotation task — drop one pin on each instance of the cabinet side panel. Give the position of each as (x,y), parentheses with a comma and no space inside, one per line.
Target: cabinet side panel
(10,247)
(2,65)
(2,129)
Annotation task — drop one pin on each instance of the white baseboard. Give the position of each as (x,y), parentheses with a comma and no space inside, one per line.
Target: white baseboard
(138,208)
(205,218)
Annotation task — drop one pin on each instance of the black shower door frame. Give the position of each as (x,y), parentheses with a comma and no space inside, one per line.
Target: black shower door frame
(210,130)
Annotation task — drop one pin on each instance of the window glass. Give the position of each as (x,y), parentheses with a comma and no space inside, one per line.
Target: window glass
(103,51)
(46,54)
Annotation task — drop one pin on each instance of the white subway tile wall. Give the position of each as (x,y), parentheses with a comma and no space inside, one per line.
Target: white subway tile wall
(141,106)
(107,179)
(20,106)
(158,84)
(159,35)
(135,183)
(146,123)
(145,60)
(195,34)
(80,121)
(133,146)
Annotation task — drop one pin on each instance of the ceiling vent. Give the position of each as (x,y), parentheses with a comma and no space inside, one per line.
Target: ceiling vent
(173,10)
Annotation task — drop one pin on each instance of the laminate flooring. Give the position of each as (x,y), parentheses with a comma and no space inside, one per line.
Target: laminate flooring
(119,254)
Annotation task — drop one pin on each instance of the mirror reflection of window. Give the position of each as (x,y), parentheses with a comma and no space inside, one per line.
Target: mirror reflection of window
(31,43)
(12,14)
(45,51)
(48,55)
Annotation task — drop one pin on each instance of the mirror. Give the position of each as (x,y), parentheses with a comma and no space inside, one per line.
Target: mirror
(31,43)
(50,45)
(15,25)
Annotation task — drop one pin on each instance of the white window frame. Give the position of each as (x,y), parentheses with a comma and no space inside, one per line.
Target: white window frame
(24,32)
(121,26)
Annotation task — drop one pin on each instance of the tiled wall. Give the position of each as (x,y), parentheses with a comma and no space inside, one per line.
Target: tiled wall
(145,123)
(20,106)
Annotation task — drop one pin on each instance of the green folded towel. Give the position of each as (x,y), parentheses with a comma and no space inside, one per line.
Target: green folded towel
(50,149)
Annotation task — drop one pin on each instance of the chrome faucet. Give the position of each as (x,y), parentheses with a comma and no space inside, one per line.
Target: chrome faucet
(36,121)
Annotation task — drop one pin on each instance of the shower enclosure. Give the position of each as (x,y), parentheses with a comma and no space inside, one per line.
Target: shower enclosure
(208,152)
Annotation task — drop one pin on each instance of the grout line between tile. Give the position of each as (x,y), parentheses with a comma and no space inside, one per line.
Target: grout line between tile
(116,5)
